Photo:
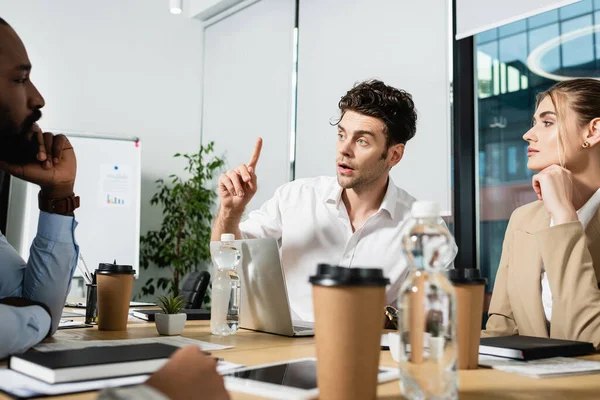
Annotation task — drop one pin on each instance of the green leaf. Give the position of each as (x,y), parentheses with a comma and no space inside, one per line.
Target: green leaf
(171,304)
(188,203)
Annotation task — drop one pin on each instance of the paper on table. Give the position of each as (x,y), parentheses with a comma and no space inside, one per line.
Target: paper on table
(23,386)
(224,367)
(178,341)
(81,304)
(70,324)
(67,314)
(486,360)
(140,304)
(545,368)
(20,385)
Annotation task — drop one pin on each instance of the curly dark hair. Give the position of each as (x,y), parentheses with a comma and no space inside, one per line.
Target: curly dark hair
(395,107)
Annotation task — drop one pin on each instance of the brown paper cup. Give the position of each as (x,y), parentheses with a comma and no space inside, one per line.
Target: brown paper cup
(348,324)
(469,309)
(114,294)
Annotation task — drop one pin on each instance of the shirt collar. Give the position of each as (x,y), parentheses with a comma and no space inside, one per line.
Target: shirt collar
(388,204)
(587,212)
(390,199)
(335,194)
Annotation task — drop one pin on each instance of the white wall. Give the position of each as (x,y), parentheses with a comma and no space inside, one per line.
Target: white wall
(204,9)
(117,66)
(247,87)
(403,43)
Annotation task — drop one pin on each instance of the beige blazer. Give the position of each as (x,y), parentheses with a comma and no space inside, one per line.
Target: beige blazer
(571,257)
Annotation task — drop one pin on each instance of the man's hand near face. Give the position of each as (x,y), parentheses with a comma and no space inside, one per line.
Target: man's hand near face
(53,168)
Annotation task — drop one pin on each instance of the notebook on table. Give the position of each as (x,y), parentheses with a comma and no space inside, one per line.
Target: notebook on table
(92,362)
(81,304)
(533,348)
(193,314)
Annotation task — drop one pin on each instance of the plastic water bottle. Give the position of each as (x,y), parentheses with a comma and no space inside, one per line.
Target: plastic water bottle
(427,309)
(226,289)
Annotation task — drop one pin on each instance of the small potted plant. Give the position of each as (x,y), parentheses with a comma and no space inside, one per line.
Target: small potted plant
(170,321)
(394,340)
(436,340)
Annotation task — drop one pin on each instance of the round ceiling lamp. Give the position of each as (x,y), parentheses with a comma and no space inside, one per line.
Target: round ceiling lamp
(175,6)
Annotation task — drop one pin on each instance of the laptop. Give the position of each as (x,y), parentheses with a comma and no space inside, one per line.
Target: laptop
(265,305)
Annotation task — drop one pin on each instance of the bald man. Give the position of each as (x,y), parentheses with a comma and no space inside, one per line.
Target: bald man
(33,293)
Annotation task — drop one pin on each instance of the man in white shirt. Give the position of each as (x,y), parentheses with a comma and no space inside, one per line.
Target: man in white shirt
(355,219)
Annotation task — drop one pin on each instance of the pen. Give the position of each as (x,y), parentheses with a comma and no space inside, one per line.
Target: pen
(208,353)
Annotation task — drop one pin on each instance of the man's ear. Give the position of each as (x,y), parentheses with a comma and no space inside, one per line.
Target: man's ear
(395,154)
(593,132)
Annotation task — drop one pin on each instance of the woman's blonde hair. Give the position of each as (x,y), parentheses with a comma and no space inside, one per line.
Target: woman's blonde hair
(578,96)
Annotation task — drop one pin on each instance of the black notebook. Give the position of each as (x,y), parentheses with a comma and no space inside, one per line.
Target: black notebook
(192,314)
(92,362)
(532,348)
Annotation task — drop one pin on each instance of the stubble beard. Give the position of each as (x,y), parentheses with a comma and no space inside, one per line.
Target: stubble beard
(366,179)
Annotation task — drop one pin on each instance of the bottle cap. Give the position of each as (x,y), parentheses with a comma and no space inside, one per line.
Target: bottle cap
(227,237)
(425,209)
(466,276)
(329,275)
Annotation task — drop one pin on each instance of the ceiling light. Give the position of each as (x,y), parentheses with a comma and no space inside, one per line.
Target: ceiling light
(175,6)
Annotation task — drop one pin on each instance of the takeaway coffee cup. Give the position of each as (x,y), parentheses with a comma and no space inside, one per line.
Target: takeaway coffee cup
(114,293)
(469,287)
(348,306)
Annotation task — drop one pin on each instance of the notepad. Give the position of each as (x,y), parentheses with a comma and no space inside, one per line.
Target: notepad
(179,341)
(22,386)
(532,348)
(544,368)
(93,362)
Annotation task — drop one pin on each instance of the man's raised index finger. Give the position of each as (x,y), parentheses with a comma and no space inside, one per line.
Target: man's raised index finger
(256,154)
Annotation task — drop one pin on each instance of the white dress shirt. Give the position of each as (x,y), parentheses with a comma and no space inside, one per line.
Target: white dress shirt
(585,214)
(312,226)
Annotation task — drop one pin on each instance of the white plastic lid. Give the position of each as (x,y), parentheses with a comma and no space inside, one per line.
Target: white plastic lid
(227,237)
(425,209)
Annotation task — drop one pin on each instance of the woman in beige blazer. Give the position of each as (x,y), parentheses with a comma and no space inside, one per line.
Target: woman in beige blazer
(547,281)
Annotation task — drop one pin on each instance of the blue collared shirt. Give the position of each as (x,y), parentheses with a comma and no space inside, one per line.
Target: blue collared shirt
(45,278)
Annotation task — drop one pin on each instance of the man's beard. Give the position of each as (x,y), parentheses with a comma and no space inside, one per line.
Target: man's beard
(369,175)
(15,146)
(9,127)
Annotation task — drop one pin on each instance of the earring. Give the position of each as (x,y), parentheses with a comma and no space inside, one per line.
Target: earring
(585,145)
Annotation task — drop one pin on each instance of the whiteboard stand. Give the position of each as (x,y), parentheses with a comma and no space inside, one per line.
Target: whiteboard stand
(109,184)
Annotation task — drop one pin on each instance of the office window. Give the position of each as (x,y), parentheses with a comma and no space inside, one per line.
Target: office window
(542,19)
(508,79)
(576,9)
(511,29)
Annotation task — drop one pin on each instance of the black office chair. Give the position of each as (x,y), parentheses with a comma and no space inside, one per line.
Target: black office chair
(194,289)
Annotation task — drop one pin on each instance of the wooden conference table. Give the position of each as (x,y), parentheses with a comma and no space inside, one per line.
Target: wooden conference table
(251,348)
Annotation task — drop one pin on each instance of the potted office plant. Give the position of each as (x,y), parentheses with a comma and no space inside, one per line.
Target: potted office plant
(171,321)
(181,244)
